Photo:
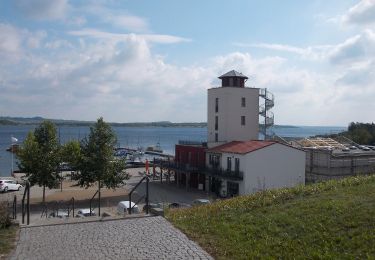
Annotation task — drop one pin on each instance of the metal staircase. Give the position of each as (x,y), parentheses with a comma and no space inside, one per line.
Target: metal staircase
(264,111)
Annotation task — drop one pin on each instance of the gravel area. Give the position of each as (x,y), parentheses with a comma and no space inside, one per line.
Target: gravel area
(138,238)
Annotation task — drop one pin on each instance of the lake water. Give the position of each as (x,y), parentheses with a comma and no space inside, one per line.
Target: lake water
(134,137)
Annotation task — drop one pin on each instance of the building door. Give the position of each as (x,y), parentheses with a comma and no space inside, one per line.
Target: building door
(232,189)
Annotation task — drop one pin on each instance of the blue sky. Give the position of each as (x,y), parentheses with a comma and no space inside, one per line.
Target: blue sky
(154,60)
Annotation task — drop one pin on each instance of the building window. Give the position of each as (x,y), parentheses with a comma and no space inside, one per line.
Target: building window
(216,123)
(243,120)
(217,105)
(229,164)
(189,157)
(237,164)
(216,137)
(243,102)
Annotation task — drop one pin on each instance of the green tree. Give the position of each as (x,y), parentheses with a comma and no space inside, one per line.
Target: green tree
(71,153)
(39,156)
(97,162)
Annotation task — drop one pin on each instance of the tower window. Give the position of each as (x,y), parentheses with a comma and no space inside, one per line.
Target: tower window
(216,137)
(217,105)
(216,123)
(243,102)
(243,120)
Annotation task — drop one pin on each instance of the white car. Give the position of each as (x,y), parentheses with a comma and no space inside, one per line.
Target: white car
(199,202)
(123,207)
(85,213)
(59,214)
(7,185)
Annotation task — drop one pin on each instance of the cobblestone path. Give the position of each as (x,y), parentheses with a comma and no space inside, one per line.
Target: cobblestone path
(138,238)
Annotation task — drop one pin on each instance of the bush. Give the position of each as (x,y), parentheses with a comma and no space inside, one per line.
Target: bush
(5,220)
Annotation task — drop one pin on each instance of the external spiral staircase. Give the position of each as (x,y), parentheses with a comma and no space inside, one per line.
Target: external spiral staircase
(264,110)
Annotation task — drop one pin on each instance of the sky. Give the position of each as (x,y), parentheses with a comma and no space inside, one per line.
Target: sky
(143,61)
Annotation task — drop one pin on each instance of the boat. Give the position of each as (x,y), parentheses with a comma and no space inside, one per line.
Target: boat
(13,148)
(154,149)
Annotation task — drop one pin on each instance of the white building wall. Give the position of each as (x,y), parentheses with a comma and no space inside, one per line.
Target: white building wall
(274,166)
(229,114)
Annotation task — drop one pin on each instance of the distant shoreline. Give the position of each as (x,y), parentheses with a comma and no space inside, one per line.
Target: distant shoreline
(20,121)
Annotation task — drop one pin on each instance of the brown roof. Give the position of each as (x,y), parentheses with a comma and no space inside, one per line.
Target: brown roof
(241,147)
(233,73)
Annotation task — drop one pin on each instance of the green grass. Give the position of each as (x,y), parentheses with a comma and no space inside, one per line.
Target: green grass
(331,220)
(7,239)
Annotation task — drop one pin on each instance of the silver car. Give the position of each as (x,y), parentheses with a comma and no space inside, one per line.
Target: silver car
(8,185)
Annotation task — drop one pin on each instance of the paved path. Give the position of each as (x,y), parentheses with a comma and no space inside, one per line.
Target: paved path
(139,238)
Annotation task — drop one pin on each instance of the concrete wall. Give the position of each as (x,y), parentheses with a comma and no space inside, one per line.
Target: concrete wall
(230,112)
(274,166)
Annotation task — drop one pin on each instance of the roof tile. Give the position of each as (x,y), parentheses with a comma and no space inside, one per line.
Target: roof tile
(241,147)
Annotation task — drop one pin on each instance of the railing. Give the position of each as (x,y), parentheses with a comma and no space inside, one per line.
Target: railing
(226,174)
(180,166)
(91,202)
(192,142)
(266,94)
(44,210)
(71,207)
(145,196)
(14,207)
(212,171)
(26,194)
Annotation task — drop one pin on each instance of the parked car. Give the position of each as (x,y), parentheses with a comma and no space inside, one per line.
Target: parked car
(152,206)
(8,185)
(59,214)
(85,213)
(364,148)
(123,206)
(175,205)
(198,202)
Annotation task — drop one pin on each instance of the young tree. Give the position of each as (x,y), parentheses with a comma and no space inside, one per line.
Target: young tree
(39,156)
(71,153)
(97,162)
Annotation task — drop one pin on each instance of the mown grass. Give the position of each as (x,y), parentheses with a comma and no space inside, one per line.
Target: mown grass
(7,239)
(331,220)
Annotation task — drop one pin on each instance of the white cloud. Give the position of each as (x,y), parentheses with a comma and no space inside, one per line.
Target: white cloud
(118,18)
(15,41)
(10,39)
(317,52)
(157,38)
(131,22)
(43,9)
(362,13)
(355,50)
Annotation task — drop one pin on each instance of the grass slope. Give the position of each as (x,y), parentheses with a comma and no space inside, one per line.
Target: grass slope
(334,220)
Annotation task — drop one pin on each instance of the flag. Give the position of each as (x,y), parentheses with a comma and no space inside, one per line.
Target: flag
(14,140)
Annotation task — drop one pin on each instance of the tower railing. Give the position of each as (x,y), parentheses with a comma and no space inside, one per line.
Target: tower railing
(268,116)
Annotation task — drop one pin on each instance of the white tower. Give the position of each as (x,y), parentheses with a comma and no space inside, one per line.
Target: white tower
(232,110)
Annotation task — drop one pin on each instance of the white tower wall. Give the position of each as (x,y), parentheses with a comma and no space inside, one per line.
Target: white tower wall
(230,111)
